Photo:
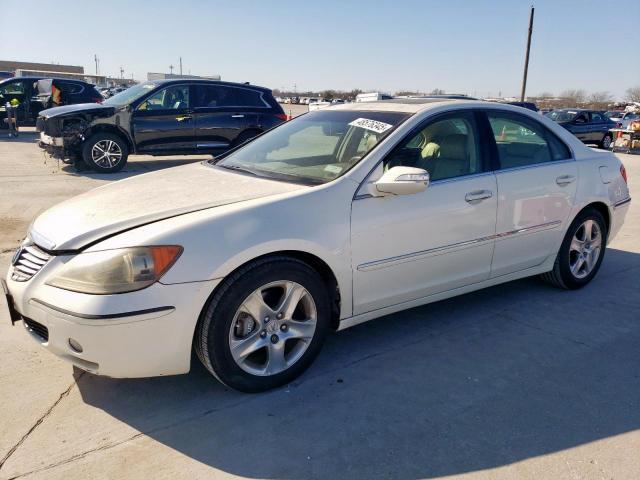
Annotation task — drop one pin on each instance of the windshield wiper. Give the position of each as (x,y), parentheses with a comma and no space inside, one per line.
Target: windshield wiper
(238,168)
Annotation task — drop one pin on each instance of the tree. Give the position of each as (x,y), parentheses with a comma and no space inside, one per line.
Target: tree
(407,93)
(437,91)
(633,94)
(600,98)
(574,97)
(545,95)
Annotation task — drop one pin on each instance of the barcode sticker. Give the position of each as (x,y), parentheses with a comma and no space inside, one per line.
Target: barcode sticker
(373,125)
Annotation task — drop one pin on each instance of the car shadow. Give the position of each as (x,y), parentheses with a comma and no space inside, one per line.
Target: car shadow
(475,382)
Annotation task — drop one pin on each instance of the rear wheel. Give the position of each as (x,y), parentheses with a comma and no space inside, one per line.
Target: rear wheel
(265,325)
(606,141)
(105,152)
(581,252)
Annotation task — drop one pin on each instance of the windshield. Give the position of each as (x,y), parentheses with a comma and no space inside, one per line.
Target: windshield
(561,115)
(130,94)
(316,147)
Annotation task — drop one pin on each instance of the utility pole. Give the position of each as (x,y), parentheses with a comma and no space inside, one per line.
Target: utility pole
(170,69)
(121,73)
(95,57)
(180,66)
(526,58)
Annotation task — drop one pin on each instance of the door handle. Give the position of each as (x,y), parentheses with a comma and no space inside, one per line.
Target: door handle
(182,118)
(478,195)
(237,116)
(565,180)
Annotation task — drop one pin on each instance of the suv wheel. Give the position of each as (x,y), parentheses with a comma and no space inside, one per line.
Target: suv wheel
(265,325)
(105,152)
(581,252)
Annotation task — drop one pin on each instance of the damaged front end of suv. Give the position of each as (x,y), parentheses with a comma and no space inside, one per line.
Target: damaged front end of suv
(64,132)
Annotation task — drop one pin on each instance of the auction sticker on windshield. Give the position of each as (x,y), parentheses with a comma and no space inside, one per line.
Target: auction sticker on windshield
(373,125)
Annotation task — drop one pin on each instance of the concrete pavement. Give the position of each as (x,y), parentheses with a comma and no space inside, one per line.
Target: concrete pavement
(519,381)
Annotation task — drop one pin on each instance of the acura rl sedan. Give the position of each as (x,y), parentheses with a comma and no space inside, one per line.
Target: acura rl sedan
(335,218)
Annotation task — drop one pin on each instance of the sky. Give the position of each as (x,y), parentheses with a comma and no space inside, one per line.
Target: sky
(461,46)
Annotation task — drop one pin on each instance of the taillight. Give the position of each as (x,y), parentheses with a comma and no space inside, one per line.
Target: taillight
(282,116)
(623,172)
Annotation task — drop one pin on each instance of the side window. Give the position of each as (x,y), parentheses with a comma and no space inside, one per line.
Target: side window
(249,98)
(13,88)
(581,118)
(68,87)
(596,118)
(446,148)
(522,142)
(175,97)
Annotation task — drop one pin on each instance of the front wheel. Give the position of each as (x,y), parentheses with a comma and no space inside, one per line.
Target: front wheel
(105,152)
(581,252)
(265,325)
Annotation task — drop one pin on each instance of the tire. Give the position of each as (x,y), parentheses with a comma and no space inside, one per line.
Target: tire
(606,141)
(114,147)
(281,348)
(565,274)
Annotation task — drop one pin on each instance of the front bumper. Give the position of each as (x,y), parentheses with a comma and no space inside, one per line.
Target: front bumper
(54,146)
(138,334)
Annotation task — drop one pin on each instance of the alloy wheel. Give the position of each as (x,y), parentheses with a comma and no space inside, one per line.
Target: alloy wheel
(272,328)
(585,248)
(106,153)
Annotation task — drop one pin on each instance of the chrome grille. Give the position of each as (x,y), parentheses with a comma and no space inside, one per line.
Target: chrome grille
(28,261)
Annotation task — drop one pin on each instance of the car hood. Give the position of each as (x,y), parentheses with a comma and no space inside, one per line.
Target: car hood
(78,108)
(110,209)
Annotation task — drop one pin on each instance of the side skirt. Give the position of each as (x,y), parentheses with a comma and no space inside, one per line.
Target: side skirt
(544,267)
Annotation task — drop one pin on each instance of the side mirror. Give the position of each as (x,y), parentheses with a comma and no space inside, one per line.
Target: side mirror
(403,181)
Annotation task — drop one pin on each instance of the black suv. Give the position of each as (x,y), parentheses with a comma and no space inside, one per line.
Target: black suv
(167,117)
(36,93)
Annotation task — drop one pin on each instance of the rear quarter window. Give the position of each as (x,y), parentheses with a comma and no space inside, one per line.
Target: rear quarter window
(68,87)
(250,98)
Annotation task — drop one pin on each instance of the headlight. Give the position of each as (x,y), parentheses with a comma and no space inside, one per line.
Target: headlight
(116,271)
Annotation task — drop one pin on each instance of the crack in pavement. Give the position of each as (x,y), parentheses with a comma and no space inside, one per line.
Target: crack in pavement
(38,422)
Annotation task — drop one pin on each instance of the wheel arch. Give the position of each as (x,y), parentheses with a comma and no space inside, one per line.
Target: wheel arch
(601,208)
(113,129)
(319,265)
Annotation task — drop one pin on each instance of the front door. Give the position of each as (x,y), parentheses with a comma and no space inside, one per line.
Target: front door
(164,123)
(407,247)
(580,126)
(537,180)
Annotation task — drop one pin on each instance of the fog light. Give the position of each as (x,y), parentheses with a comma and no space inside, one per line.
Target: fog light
(75,346)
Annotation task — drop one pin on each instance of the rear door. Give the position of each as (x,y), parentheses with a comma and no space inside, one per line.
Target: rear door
(164,123)
(222,113)
(598,127)
(536,178)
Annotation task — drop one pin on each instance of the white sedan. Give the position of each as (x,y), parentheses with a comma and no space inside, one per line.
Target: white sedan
(337,217)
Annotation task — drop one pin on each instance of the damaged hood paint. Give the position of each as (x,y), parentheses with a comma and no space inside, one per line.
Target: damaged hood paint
(78,108)
(136,201)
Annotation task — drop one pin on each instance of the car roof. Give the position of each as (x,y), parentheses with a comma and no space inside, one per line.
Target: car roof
(415,105)
(169,81)
(6,80)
